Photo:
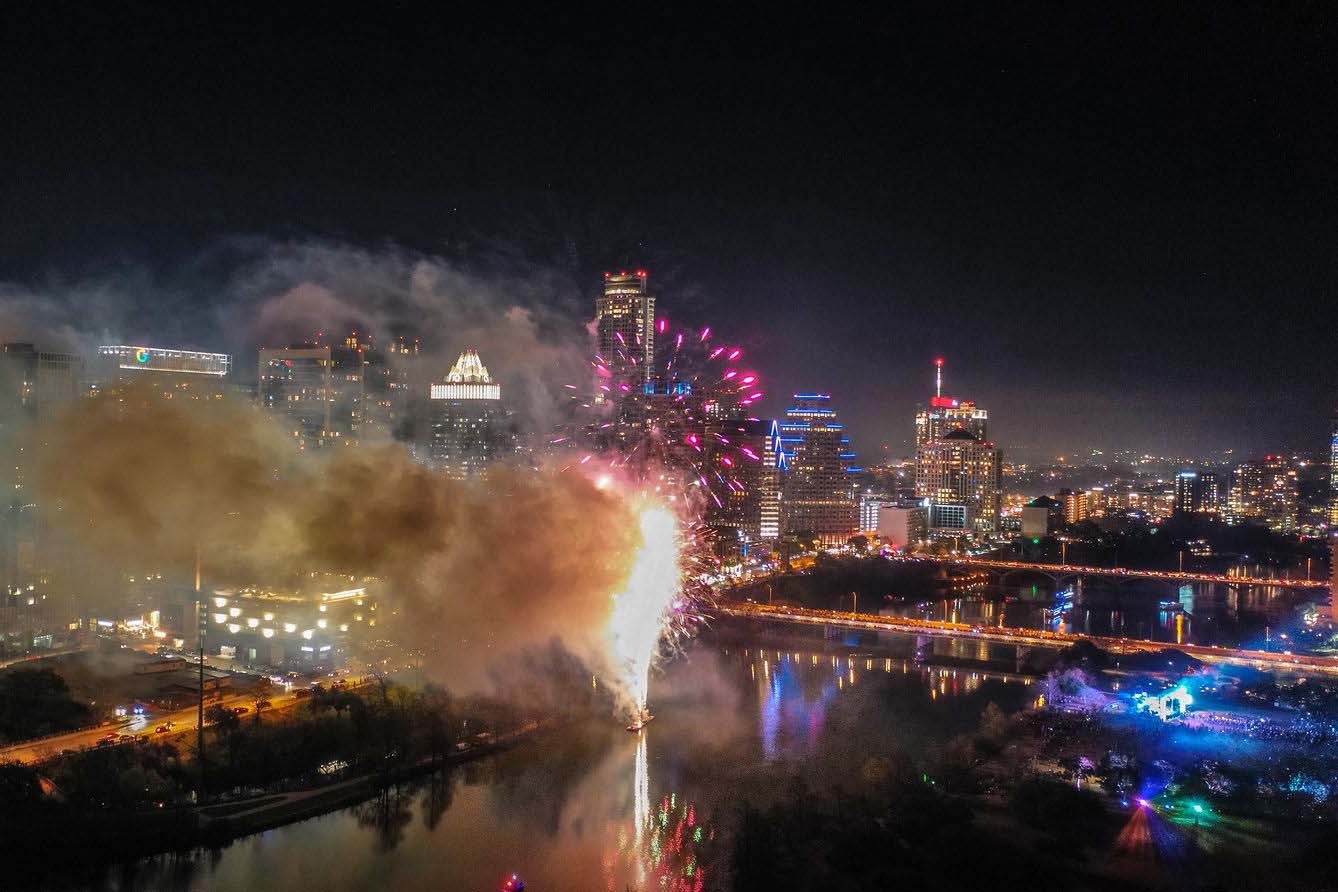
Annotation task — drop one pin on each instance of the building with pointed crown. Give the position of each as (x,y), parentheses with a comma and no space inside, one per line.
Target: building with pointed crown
(470,426)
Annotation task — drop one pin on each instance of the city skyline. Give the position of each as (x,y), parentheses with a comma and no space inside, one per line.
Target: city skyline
(1047,236)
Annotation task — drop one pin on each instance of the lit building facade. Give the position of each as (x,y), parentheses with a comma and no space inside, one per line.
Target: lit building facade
(1280,507)
(1245,499)
(1188,498)
(1211,493)
(289,629)
(34,385)
(1266,491)
(470,427)
(959,469)
(1075,505)
(1331,506)
(946,414)
(870,510)
(160,371)
(315,391)
(818,498)
(625,334)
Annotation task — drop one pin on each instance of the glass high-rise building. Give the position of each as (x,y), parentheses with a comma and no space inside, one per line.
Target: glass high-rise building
(625,334)
(1265,491)
(818,494)
(470,427)
(315,392)
(1188,496)
(959,469)
(1331,512)
(955,463)
(1211,495)
(34,384)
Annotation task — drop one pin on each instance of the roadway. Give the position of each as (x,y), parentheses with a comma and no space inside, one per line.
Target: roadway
(182,722)
(1025,637)
(1119,572)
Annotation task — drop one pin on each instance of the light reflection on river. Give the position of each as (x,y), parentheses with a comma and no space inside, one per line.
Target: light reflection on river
(591,806)
(1197,613)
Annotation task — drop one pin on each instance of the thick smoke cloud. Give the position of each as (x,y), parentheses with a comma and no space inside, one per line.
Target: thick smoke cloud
(472,572)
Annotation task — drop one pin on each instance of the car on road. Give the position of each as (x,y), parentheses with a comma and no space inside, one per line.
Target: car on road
(163,729)
(301,693)
(264,704)
(241,710)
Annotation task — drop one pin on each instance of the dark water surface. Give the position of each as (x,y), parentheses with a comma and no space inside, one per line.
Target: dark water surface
(591,806)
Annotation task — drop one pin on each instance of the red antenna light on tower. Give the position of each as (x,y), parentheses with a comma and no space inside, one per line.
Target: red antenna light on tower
(938,377)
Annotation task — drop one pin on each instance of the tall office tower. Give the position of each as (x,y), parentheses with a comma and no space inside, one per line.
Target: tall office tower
(33,385)
(1097,501)
(1075,505)
(162,372)
(470,427)
(315,391)
(1331,512)
(947,414)
(1245,499)
(747,514)
(819,498)
(960,470)
(1188,496)
(625,334)
(1210,492)
(773,507)
(1280,500)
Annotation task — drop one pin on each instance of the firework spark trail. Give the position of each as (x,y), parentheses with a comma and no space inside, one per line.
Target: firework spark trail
(643,610)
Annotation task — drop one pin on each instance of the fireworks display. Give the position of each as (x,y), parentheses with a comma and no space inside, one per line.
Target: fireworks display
(674,438)
(642,610)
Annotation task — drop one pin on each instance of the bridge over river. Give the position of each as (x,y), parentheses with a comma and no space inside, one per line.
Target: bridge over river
(1058,571)
(1260,659)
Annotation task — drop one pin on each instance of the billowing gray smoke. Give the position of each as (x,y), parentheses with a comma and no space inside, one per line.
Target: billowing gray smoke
(472,571)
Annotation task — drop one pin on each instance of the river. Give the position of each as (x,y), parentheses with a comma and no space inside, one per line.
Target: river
(592,806)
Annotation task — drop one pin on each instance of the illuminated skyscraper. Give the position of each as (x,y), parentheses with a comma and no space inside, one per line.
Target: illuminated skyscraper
(625,334)
(470,427)
(819,497)
(171,374)
(947,413)
(34,384)
(1075,505)
(1246,496)
(1280,494)
(960,470)
(1187,493)
(748,514)
(1211,496)
(1265,491)
(1331,512)
(955,465)
(315,392)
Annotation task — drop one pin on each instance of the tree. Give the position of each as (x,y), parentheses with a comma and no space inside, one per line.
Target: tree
(37,702)
(222,720)
(260,694)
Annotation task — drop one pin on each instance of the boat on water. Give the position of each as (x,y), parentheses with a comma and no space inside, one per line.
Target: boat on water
(641,721)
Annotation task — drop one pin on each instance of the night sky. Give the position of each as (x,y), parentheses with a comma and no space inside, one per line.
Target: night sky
(1119,231)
